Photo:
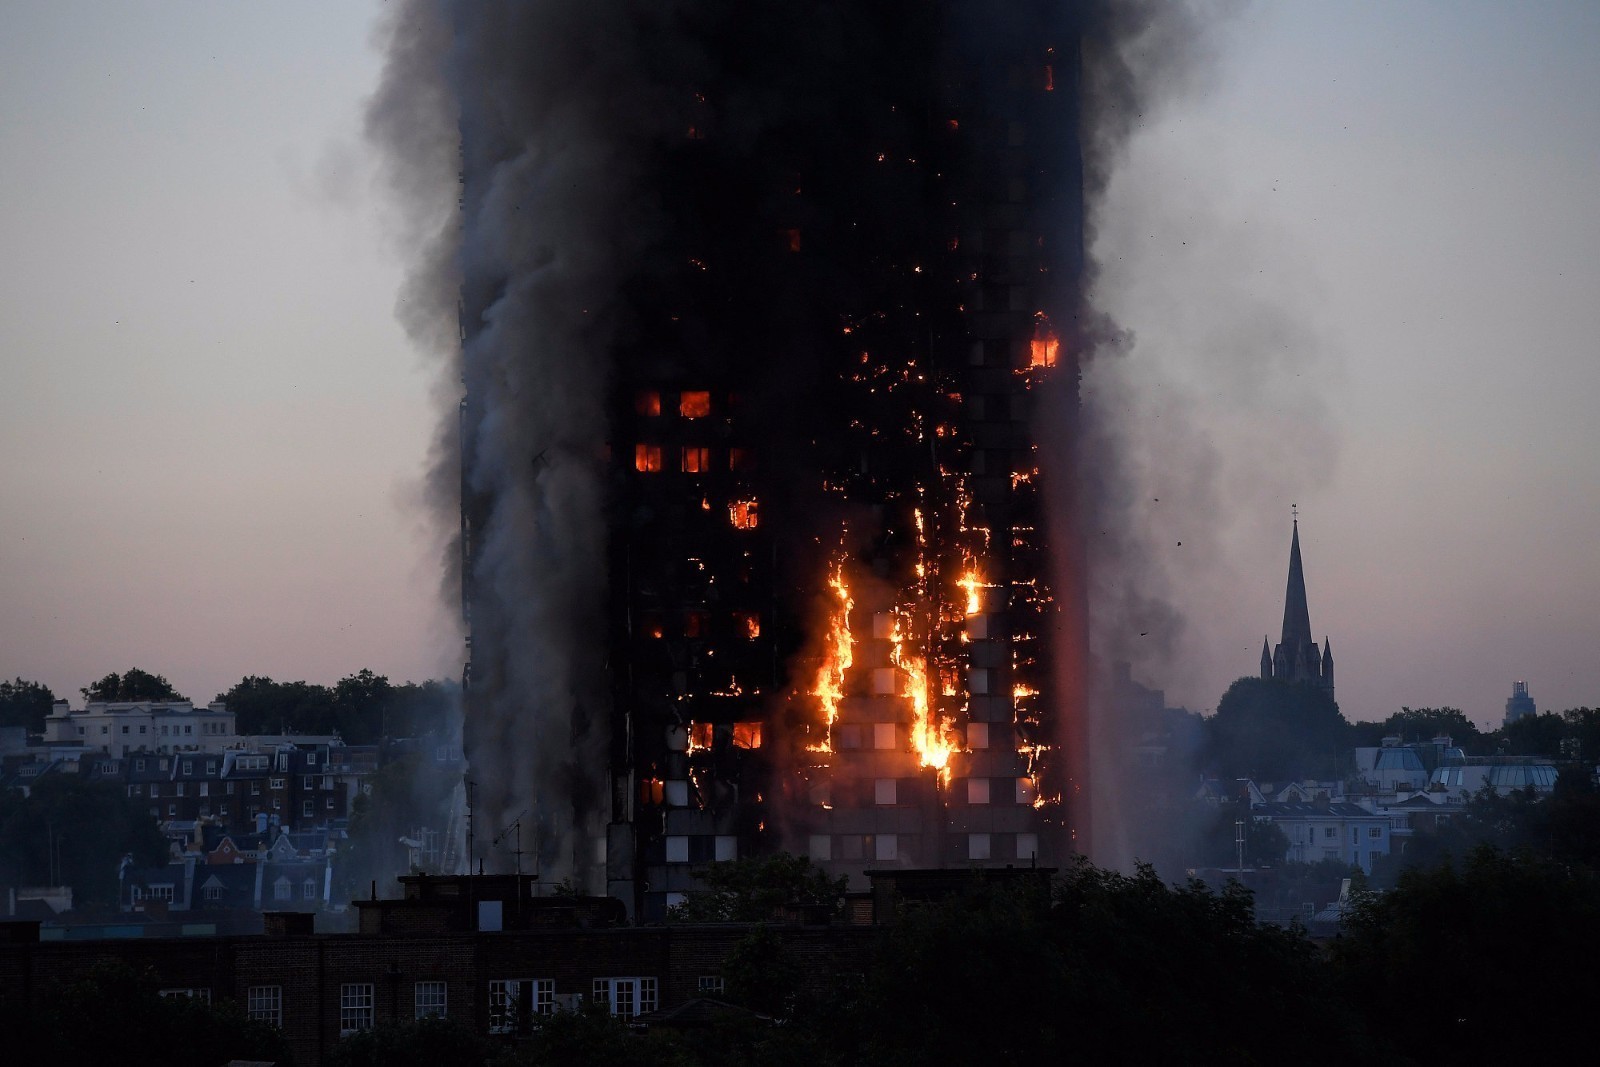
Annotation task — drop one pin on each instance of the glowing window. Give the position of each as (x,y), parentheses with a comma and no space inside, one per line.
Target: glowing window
(696,459)
(748,624)
(746,735)
(647,402)
(647,458)
(794,239)
(977,790)
(883,735)
(742,513)
(978,735)
(694,405)
(696,624)
(651,626)
(700,735)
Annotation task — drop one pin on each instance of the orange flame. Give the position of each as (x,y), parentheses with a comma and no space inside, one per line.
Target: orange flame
(837,658)
(933,741)
(972,581)
(1046,346)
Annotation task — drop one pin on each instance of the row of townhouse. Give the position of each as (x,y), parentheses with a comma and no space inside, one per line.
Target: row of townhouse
(242,790)
(218,874)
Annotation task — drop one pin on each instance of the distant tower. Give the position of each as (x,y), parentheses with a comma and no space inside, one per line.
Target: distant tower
(1519,704)
(1297,659)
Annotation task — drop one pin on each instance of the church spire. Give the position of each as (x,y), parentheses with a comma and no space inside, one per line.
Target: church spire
(1296,615)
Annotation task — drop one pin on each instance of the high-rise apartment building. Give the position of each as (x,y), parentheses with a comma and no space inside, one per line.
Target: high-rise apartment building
(839,615)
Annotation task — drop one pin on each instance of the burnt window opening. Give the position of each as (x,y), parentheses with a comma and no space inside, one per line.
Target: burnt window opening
(647,402)
(741,459)
(652,627)
(696,459)
(743,515)
(647,458)
(694,405)
(697,624)
(747,624)
(793,238)
(747,735)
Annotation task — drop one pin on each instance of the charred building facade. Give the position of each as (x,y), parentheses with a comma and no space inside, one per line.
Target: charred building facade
(839,374)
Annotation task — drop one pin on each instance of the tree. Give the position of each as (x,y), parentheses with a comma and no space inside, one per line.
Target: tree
(25,704)
(1264,842)
(1471,961)
(359,703)
(406,794)
(79,830)
(135,684)
(262,706)
(430,1042)
(1535,735)
(1276,731)
(1424,724)
(755,889)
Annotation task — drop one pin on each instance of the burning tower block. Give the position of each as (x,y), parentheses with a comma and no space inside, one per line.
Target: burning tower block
(840,376)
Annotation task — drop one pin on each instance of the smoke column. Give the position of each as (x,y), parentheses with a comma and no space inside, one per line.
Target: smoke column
(520,140)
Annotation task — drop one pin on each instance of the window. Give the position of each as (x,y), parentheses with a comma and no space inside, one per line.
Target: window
(203,995)
(747,624)
(355,1007)
(647,458)
(124,727)
(281,889)
(133,790)
(275,783)
(978,735)
(177,789)
(188,766)
(709,985)
(205,789)
(514,1001)
(188,728)
(141,729)
(429,999)
(677,849)
(626,997)
(255,789)
(213,893)
(228,788)
(105,730)
(308,809)
(884,791)
(138,764)
(743,515)
(978,846)
(746,735)
(1374,832)
(883,735)
(330,804)
(308,782)
(308,889)
(264,1003)
(647,402)
(160,892)
(695,405)
(311,759)
(1329,833)
(977,790)
(222,809)
(211,766)
(696,459)
(172,811)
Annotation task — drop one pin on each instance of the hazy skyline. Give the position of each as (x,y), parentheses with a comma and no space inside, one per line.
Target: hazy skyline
(1358,260)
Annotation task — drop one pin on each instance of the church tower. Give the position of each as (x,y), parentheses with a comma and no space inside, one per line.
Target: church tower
(1297,658)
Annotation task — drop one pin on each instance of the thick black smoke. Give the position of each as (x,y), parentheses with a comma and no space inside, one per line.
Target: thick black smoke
(530,147)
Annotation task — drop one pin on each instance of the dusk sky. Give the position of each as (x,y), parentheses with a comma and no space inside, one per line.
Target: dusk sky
(1358,254)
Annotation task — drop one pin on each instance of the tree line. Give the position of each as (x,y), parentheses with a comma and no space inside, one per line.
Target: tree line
(361,708)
